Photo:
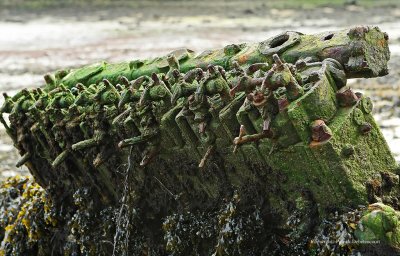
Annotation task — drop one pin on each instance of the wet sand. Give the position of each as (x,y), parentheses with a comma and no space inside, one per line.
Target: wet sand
(33,44)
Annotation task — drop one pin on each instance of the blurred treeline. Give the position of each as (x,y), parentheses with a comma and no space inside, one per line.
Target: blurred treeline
(43,4)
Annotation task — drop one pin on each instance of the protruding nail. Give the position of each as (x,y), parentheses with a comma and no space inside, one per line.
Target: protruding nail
(365,128)
(346,97)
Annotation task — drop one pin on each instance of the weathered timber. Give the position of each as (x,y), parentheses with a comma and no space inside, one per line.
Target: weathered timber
(274,118)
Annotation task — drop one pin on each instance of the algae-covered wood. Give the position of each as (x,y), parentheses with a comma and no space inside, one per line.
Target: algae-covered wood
(184,132)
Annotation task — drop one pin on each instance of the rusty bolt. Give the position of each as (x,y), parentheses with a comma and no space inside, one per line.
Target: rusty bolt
(49,79)
(386,36)
(320,131)
(60,74)
(124,80)
(278,62)
(283,103)
(365,128)
(107,82)
(389,180)
(301,64)
(155,77)
(346,97)
(374,190)
(119,87)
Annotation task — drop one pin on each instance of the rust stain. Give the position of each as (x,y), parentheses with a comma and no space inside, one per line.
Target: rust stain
(243,59)
(381,42)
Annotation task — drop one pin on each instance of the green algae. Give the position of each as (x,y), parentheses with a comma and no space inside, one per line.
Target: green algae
(186,179)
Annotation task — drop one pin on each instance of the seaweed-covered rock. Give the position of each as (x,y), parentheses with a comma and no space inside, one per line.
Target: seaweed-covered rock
(32,225)
(380,223)
(27,218)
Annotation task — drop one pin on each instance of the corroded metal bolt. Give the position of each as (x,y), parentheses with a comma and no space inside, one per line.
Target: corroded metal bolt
(374,190)
(301,64)
(257,66)
(49,79)
(124,80)
(107,82)
(80,87)
(386,36)
(278,61)
(176,73)
(320,131)
(389,180)
(60,74)
(119,87)
(346,97)
(283,104)
(365,128)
